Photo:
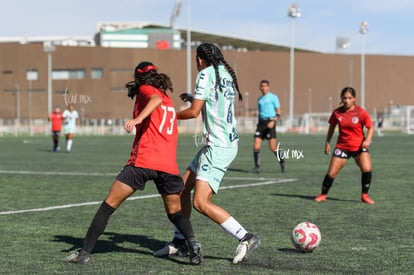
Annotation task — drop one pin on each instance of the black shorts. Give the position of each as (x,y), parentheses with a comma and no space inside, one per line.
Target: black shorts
(343,154)
(56,133)
(264,132)
(137,177)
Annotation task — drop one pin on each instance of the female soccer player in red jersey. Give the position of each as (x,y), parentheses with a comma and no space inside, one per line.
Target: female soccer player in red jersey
(351,120)
(154,119)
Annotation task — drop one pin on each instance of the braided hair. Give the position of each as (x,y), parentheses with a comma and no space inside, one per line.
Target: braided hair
(213,56)
(146,73)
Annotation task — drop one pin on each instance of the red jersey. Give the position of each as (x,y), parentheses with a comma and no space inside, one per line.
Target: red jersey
(155,145)
(56,119)
(351,127)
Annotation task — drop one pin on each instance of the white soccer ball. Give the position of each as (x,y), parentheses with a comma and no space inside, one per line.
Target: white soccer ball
(306,236)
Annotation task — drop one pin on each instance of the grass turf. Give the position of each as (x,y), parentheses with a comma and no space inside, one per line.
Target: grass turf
(58,194)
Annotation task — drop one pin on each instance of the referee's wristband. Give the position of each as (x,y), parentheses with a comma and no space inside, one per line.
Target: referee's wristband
(277,115)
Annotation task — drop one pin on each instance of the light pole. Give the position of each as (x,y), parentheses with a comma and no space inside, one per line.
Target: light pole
(49,48)
(309,100)
(18,104)
(188,46)
(30,76)
(363,30)
(17,86)
(293,13)
(330,104)
(246,104)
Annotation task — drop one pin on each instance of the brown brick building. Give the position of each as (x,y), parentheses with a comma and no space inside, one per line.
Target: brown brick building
(93,78)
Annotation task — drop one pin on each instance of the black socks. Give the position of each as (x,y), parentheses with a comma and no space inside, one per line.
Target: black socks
(183,224)
(97,226)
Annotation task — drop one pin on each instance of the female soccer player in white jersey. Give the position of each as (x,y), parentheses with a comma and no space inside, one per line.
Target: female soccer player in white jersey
(215,93)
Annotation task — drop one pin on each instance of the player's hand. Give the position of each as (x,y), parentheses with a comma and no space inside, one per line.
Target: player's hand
(129,125)
(327,148)
(365,144)
(186,97)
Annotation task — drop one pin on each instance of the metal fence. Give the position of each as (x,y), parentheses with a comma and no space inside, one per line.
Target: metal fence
(305,124)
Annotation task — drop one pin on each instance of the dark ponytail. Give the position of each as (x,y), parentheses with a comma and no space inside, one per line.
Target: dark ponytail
(213,56)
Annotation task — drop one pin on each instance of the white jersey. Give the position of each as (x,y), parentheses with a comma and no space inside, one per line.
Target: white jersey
(70,120)
(218,111)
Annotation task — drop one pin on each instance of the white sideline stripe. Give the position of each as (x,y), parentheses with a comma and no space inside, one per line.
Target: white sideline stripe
(136,198)
(57,173)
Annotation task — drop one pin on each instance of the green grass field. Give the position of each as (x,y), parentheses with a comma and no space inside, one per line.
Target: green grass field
(48,201)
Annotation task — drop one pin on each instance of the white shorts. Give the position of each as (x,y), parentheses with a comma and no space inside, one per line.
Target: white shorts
(211,163)
(69,129)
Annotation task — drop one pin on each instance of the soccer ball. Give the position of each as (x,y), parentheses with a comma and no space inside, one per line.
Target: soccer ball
(306,236)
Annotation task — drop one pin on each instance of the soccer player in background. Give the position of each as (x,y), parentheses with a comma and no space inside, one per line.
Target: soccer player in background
(216,89)
(153,157)
(351,120)
(380,121)
(269,112)
(71,120)
(56,118)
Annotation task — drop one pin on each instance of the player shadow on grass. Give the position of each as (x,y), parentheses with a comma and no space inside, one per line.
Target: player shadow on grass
(292,251)
(115,241)
(238,170)
(114,244)
(310,197)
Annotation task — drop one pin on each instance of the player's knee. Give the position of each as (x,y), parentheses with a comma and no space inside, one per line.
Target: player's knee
(332,174)
(199,206)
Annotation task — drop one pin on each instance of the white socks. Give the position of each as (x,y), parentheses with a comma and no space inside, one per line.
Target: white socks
(234,228)
(69,145)
(231,226)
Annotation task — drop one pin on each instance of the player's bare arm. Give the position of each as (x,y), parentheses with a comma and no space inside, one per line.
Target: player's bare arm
(193,111)
(152,104)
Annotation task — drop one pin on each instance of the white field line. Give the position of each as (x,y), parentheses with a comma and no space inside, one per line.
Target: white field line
(55,173)
(138,197)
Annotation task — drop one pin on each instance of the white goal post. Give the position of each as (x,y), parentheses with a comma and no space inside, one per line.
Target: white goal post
(409,119)
(314,122)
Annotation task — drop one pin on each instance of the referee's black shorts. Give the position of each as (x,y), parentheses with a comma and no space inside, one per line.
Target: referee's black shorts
(137,177)
(263,131)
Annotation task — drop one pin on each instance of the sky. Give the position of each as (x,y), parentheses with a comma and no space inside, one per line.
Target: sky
(390,23)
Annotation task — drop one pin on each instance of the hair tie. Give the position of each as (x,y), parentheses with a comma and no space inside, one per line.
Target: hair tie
(147,69)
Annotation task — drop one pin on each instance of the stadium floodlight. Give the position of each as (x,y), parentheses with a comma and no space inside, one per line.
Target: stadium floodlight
(342,43)
(175,13)
(49,48)
(363,30)
(293,13)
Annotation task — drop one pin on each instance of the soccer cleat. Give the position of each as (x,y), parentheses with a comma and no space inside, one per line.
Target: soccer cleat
(194,247)
(256,170)
(177,247)
(247,245)
(82,257)
(365,198)
(320,198)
